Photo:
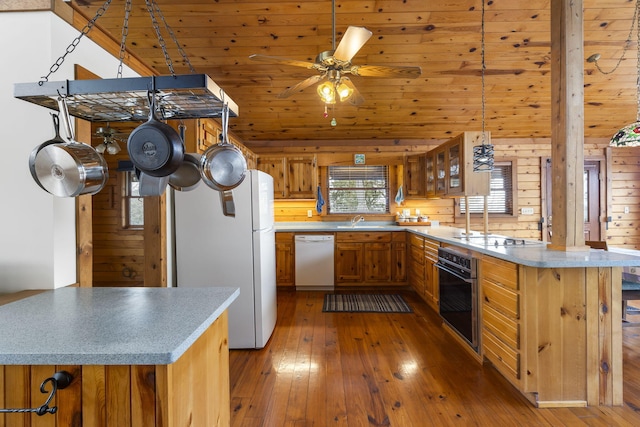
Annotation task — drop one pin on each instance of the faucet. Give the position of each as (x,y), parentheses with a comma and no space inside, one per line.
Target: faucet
(356,219)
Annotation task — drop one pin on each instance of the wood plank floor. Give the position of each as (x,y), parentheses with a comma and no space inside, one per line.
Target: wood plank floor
(403,370)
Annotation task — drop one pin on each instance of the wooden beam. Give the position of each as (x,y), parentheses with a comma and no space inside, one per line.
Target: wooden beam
(567,125)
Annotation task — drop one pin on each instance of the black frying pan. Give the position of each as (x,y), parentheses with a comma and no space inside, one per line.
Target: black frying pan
(155,147)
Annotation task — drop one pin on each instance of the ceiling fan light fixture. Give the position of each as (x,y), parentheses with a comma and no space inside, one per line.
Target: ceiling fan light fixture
(113,148)
(327,92)
(344,91)
(101,148)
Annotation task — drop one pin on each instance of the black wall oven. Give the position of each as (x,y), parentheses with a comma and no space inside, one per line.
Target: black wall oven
(459,293)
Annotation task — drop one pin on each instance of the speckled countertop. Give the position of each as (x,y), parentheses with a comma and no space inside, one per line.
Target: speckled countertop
(534,253)
(108,326)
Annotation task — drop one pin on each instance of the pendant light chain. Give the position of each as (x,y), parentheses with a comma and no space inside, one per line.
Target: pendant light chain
(483,156)
(56,65)
(627,44)
(125,33)
(637,21)
(482,70)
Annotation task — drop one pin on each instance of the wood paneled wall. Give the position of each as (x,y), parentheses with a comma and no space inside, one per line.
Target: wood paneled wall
(624,173)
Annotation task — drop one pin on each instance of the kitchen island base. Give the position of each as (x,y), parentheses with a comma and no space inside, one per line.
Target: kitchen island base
(194,390)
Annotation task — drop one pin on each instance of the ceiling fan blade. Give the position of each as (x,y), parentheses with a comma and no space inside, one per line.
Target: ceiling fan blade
(384,71)
(283,61)
(356,98)
(354,38)
(301,86)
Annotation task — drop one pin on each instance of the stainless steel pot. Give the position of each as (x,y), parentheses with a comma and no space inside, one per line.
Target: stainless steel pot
(150,185)
(155,147)
(69,169)
(55,140)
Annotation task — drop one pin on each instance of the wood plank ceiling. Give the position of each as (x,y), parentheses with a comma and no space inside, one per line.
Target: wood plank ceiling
(442,37)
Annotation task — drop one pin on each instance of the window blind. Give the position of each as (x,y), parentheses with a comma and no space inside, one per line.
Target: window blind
(358,189)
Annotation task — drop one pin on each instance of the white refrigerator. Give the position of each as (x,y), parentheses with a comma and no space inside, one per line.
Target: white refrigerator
(212,249)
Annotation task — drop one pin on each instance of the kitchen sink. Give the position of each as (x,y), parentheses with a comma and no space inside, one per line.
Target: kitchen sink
(355,227)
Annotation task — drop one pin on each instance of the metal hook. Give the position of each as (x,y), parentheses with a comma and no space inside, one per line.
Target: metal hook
(59,380)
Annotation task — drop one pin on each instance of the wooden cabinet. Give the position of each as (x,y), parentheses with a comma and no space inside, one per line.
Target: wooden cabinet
(500,302)
(452,172)
(431,289)
(370,258)
(423,273)
(414,176)
(430,175)
(285,259)
(294,177)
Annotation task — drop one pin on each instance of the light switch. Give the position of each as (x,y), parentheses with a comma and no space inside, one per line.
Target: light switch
(310,213)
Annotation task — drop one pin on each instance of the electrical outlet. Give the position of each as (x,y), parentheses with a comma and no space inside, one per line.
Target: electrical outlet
(417,212)
(310,213)
(626,209)
(526,211)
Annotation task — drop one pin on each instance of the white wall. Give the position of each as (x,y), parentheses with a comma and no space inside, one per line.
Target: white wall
(37,230)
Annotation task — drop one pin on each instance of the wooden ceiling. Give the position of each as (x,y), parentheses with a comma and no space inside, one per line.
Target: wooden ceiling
(442,37)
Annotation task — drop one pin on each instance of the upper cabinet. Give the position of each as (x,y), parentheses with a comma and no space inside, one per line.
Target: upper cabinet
(452,172)
(294,177)
(414,176)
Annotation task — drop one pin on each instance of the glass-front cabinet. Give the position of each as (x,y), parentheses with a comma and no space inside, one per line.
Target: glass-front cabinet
(450,173)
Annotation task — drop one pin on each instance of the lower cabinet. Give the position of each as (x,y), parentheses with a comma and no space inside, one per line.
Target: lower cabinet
(500,305)
(285,260)
(370,258)
(423,273)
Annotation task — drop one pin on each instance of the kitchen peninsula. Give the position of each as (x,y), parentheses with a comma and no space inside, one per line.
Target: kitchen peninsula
(549,321)
(138,356)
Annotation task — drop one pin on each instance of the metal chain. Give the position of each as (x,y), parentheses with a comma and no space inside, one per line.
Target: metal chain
(635,22)
(637,16)
(173,37)
(482,71)
(163,45)
(125,33)
(56,65)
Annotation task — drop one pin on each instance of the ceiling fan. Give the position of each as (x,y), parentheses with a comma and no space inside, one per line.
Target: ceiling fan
(334,66)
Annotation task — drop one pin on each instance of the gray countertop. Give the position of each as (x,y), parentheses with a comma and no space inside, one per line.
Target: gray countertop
(108,326)
(534,253)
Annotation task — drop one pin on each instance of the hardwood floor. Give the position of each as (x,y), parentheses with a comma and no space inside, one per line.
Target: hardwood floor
(369,369)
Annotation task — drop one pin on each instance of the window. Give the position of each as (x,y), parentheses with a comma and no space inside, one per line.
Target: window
(501,199)
(358,190)
(133,209)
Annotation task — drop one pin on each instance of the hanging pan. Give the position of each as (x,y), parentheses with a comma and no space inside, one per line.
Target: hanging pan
(155,147)
(223,167)
(187,176)
(69,169)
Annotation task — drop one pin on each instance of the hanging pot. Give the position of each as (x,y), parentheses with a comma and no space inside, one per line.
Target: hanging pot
(150,185)
(155,147)
(55,140)
(223,166)
(69,169)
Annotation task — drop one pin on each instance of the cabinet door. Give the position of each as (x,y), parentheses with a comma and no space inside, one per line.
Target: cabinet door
(377,262)
(454,161)
(414,176)
(430,174)
(274,166)
(349,262)
(285,274)
(302,177)
(441,174)
(398,262)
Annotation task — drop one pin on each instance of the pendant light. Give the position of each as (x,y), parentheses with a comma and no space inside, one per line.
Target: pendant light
(483,154)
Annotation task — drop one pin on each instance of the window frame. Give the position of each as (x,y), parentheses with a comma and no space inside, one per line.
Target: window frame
(514,195)
(126,202)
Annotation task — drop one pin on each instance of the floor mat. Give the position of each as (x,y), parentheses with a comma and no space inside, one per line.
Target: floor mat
(368,303)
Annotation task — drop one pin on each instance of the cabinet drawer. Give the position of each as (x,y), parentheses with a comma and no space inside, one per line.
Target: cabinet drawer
(499,271)
(503,327)
(502,299)
(503,357)
(416,240)
(363,236)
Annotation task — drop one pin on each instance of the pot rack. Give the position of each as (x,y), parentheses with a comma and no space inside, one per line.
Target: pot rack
(189,96)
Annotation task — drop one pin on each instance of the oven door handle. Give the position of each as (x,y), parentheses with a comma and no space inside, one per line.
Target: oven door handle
(455,273)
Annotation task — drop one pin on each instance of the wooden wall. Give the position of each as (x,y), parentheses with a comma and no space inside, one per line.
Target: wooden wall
(624,165)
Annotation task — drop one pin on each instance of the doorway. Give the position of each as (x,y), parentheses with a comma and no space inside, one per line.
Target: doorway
(594,192)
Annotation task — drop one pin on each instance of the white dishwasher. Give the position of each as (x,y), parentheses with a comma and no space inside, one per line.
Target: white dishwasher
(314,262)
